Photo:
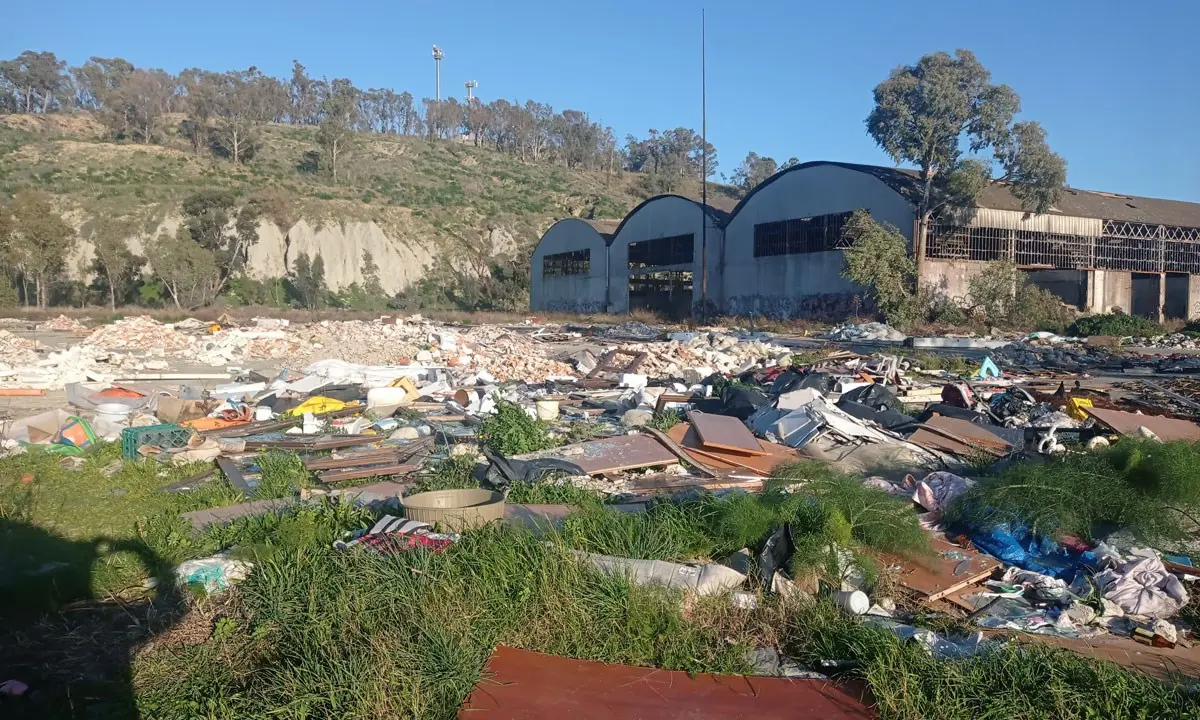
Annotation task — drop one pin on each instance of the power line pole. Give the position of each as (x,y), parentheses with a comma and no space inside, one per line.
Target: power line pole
(703,169)
(437,64)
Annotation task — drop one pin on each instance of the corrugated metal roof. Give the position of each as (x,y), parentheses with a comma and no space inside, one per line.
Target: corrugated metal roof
(606,227)
(998,196)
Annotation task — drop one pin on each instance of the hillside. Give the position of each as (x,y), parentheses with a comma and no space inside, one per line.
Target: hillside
(411,202)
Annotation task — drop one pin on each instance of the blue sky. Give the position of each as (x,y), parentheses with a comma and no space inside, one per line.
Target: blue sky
(1116,84)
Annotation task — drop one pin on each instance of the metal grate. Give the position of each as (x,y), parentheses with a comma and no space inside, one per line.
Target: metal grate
(664,251)
(1134,247)
(800,235)
(576,262)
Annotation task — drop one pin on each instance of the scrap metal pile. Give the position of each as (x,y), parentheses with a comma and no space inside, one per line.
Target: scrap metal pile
(384,402)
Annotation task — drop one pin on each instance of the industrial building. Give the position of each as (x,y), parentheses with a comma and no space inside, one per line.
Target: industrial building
(779,251)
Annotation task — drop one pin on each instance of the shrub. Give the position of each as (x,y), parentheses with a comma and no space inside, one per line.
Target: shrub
(1118,324)
(877,258)
(510,430)
(1150,489)
(1000,294)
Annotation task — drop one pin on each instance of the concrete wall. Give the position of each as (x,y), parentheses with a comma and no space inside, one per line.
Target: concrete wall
(778,285)
(658,217)
(570,293)
(1108,289)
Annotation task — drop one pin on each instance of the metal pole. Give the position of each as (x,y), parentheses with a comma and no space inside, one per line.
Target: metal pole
(438,74)
(704,169)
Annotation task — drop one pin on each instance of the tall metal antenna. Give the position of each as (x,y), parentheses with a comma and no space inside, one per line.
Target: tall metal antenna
(704,168)
(437,63)
(471,85)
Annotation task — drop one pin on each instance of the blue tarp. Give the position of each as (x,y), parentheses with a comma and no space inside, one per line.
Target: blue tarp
(1016,545)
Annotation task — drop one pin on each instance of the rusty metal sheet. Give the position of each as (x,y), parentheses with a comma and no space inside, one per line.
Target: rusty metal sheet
(721,432)
(533,686)
(1165,428)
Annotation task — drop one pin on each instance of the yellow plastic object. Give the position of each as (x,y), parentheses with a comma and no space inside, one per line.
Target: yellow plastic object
(214,328)
(316,406)
(1076,407)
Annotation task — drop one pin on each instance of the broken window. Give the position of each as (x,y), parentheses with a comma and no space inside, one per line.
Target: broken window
(576,262)
(1133,247)
(800,235)
(673,250)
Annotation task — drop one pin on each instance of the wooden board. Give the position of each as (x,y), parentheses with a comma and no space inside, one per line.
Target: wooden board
(1165,428)
(960,437)
(771,454)
(721,432)
(934,578)
(233,474)
(610,455)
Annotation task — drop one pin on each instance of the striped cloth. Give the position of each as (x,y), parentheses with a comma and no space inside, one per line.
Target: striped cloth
(393,534)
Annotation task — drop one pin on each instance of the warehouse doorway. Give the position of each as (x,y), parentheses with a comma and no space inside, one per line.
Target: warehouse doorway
(1145,295)
(666,293)
(1175,307)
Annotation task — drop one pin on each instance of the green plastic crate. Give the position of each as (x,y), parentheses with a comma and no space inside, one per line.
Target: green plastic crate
(163,436)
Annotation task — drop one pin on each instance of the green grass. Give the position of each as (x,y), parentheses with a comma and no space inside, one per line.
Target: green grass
(1150,489)
(317,633)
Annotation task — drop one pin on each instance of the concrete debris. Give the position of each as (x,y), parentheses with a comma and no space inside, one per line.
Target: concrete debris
(62,323)
(874,331)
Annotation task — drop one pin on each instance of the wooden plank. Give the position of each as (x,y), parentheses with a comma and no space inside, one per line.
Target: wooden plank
(358,473)
(762,464)
(676,482)
(233,474)
(1165,428)
(679,452)
(960,437)
(935,578)
(721,432)
(610,455)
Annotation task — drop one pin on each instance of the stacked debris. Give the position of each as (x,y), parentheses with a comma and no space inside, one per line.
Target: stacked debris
(62,323)
(16,350)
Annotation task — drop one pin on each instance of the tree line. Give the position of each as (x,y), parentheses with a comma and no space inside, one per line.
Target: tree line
(224,113)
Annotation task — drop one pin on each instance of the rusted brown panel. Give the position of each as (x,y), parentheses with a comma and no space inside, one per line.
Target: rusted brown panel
(721,432)
(533,686)
(1165,428)
(960,437)
(771,455)
(939,576)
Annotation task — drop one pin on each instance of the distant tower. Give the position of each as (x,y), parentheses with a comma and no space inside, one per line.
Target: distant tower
(437,64)
(471,85)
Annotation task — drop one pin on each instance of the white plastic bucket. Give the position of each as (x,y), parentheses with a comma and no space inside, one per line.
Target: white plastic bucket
(854,601)
(114,412)
(547,410)
(385,397)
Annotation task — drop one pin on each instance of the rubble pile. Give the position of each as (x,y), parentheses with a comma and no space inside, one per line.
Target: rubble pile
(1173,340)
(851,332)
(62,323)
(16,350)
(141,333)
(386,401)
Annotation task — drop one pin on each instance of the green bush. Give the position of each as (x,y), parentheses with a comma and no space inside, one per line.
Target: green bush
(511,431)
(1118,324)
(1150,489)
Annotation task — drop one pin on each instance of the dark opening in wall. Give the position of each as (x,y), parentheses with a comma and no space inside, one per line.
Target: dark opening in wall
(1070,286)
(800,235)
(673,250)
(667,293)
(1144,300)
(1176,305)
(576,262)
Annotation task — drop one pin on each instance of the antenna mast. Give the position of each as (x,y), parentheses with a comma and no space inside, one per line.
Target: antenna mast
(437,64)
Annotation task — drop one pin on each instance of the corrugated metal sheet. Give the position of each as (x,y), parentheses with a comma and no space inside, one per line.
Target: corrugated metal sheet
(1014,220)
